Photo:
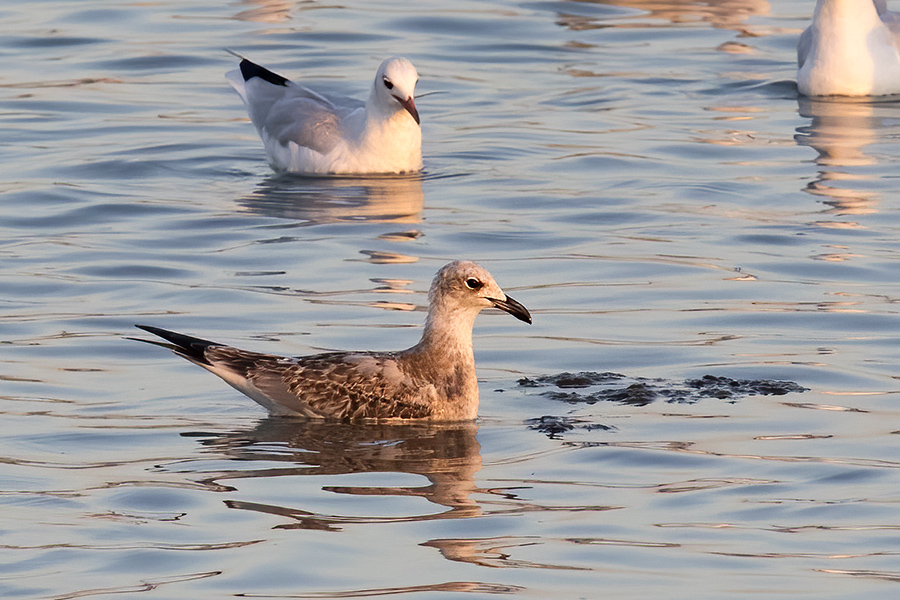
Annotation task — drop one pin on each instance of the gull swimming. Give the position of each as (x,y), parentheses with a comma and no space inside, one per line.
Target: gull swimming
(434,380)
(850,49)
(308,132)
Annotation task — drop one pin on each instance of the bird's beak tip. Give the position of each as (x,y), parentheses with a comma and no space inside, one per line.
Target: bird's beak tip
(513,307)
(410,105)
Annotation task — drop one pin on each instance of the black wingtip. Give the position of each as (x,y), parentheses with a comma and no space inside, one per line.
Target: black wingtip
(249,70)
(187,346)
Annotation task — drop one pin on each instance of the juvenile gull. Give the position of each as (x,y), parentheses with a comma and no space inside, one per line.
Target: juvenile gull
(306,132)
(850,49)
(433,380)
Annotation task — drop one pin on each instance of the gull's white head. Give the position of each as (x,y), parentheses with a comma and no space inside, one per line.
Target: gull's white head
(395,86)
(468,287)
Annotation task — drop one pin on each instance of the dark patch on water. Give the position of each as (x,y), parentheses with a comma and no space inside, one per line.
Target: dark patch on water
(641,391)
(554,426)
(571,380)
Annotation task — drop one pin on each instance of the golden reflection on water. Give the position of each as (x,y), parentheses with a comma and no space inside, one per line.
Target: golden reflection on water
(319,200)
(493,552)
(265,11)
(724,14)
(447,455)
(840,132)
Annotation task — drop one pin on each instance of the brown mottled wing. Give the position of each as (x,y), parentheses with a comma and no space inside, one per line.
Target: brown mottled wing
(337,385)
(358,386)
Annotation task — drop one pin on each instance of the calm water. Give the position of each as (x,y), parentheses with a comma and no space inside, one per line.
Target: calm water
(639,174)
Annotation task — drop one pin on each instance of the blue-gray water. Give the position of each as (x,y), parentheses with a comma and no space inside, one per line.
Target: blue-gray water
(640,174)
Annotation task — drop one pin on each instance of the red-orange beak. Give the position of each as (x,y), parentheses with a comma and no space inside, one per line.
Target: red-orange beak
(410,105)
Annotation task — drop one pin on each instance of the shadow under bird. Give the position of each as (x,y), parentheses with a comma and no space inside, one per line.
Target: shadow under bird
(305,131)
(434,380)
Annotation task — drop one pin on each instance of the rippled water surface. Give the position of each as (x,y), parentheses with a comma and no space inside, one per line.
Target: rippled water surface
(641,175)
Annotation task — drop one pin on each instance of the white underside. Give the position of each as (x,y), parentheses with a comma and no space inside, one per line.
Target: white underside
(849,53)
(395,156)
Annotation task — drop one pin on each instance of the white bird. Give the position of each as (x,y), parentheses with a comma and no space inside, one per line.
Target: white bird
(307,132)
(852,48)
(434,380)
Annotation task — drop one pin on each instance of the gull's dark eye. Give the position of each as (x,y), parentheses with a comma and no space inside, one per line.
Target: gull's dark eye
(388,84)
(473,284)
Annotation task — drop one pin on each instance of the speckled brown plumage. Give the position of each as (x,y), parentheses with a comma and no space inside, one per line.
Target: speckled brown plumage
(434,380)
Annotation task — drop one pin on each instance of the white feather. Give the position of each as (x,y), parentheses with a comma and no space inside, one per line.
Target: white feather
(850,49)
(306,132)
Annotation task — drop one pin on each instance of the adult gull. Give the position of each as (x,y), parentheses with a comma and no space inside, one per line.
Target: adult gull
(850,49)
(305,131)
(434,380)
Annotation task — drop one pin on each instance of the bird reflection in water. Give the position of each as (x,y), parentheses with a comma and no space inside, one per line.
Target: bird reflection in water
(840,131)
(318,200)
(722,14)
(447,455)
(265,11)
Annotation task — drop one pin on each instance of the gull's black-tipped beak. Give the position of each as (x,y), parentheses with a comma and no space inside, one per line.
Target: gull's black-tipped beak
(410,105)
(512,307)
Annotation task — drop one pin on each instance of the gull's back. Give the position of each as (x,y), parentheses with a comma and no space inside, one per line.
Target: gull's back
(283,111)
(345,386)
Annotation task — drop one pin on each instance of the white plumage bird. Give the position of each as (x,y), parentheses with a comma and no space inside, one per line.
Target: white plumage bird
(852,48)
(307,132)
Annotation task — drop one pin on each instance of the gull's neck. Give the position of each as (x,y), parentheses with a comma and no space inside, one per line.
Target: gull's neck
(377,107)
(389,135)
(444,359)
(447,333)
(385,115)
